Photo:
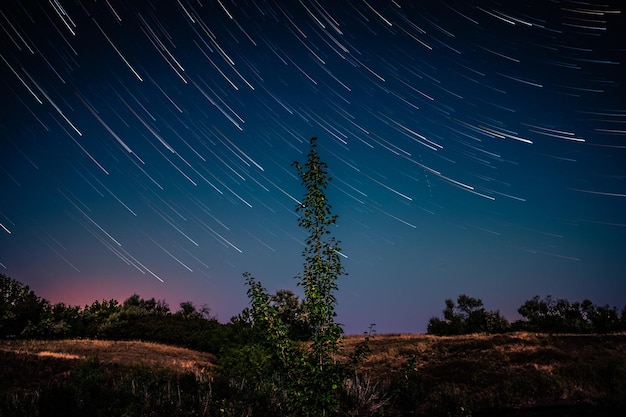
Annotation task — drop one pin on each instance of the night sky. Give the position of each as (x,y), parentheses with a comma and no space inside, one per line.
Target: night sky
(475,147)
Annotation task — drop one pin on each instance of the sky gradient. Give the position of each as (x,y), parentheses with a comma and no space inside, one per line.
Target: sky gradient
(475,147)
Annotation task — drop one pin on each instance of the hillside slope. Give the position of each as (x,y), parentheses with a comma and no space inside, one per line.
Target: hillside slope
(508,371)
(417,374)
(28,364)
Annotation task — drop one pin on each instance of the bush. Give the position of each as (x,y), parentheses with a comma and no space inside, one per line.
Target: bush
(467,316)
(562,316)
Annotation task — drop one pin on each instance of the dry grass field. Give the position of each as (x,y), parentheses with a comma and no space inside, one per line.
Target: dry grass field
(514,370)
(419,372)
(124,353)
(510,351)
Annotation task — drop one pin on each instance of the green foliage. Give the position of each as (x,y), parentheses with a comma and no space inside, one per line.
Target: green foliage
(309,376)
(25,315)
(55,322)
(322,265)
(322,268)
(288,308)
(141,306)
(292,314)
(97,315)
(249,382)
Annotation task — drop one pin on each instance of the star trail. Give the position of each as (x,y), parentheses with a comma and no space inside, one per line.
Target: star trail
(475,147)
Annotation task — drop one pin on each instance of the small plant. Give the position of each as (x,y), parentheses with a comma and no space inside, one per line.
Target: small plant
(363,348)
(362,397)
(408,388)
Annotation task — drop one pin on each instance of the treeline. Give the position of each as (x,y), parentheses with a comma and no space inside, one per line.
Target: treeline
(25,315)
(541,315)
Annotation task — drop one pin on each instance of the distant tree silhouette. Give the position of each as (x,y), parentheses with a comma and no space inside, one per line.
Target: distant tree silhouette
(189,310)
(20,308)
(467,316)
(288,309)
(545,315)
(56,322)
(25,315)
(562,316)
(292,313)
(137,305)
(97,314)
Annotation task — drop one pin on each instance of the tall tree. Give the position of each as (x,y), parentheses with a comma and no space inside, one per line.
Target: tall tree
(322,262)
(322,268)
(312,377)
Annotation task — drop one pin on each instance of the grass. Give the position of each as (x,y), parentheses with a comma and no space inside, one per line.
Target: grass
(102,378)
(509,371)
(412,374)
(124,353)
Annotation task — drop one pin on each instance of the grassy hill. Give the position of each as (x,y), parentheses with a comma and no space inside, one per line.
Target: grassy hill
(413,374)
(491,372)
(123,353)
(102,378)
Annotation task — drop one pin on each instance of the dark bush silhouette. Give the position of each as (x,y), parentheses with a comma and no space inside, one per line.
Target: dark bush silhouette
(547,315)
(21,311)
(562,316)
(467,316)
(25,315)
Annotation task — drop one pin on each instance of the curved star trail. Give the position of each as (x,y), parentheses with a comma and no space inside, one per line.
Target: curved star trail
(476,147)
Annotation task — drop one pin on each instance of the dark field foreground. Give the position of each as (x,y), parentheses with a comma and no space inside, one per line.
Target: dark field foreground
(497,372)
(410,374)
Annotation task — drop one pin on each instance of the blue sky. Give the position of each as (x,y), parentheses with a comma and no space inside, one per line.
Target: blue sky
(474,147)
